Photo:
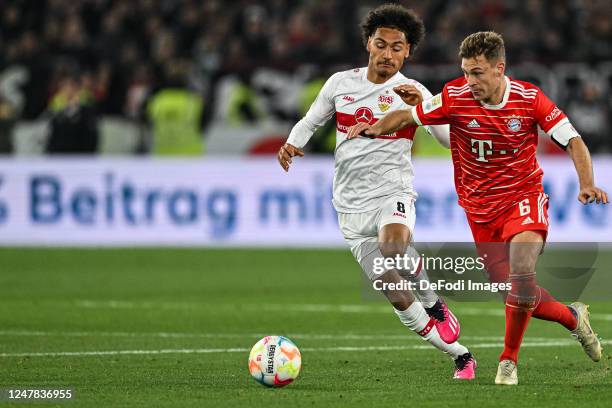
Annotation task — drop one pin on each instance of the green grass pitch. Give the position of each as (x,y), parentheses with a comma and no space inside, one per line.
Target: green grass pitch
(173,327)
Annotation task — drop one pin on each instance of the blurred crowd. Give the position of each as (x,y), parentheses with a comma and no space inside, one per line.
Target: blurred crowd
(112,57)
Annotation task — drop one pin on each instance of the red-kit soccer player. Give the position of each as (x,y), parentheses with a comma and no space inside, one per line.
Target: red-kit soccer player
(493,133)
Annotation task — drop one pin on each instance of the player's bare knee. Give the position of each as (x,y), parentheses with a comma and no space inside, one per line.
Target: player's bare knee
(524,251)
(522,266)
(392,249)
(393,240)
(523,259)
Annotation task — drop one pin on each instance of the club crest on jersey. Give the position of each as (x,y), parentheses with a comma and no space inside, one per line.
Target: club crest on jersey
(364,114)
(385,102)
(514,124)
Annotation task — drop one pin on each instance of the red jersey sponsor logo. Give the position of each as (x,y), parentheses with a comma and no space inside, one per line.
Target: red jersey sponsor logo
(482,148)
(348,98)
(399,214)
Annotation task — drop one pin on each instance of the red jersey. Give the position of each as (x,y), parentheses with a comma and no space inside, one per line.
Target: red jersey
(493,146)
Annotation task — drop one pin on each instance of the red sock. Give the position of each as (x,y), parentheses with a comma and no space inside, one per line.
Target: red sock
(548,308)
(519,306)
(516,323)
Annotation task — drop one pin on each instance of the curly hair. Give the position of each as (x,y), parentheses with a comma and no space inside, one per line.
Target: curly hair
(487,43)
(396,17)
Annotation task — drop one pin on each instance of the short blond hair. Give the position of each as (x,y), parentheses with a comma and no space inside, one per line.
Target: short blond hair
(487,43)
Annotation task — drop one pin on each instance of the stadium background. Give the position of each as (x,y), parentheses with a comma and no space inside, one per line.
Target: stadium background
(154,123)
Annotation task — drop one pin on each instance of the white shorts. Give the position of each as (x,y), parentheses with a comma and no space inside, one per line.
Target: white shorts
(360,230)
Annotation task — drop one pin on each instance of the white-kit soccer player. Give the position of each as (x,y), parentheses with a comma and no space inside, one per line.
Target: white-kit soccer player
(373,192)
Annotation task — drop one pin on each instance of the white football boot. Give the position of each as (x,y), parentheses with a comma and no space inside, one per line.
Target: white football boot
(506,373)
(584,333)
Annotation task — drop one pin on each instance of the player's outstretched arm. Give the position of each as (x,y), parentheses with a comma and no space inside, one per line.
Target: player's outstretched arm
(390,123)
(411,95)
(319,112)
(286,153)
(581,157)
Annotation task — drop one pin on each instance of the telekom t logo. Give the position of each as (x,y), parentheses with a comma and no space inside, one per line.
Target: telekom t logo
(478,146)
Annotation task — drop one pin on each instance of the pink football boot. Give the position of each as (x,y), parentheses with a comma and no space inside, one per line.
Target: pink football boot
(446,322)
(465,367)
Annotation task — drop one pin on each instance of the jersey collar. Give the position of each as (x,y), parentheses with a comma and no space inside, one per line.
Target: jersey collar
(364,76)
(504,99)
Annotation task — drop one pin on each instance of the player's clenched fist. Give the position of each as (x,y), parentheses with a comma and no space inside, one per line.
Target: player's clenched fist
(361,129)
(589,194)
(286,153)
(409,94)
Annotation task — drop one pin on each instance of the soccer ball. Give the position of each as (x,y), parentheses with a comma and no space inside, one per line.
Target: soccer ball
(275,361)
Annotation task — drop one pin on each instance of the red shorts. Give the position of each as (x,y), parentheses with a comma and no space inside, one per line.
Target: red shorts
(531,214)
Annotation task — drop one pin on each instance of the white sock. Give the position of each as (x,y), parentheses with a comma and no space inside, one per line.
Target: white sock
(426,296)
(417,320)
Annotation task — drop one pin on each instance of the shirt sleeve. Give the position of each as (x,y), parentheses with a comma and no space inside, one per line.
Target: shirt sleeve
(553,121)
(321,110)
(440,132)
(432,111)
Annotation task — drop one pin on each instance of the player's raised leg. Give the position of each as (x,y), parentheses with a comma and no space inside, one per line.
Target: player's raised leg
(393,242)
(573,317)
(413,315)
(446,322)
(395,225)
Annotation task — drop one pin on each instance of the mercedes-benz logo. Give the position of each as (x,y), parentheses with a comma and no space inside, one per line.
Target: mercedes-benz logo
(364,115)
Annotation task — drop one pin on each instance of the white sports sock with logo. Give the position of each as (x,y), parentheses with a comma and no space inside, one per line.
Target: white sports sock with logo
(417,320)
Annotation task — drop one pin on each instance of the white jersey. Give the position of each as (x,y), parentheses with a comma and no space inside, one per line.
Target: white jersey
(366,170)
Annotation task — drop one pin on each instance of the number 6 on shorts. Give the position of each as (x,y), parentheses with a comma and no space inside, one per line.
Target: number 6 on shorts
(524,208)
